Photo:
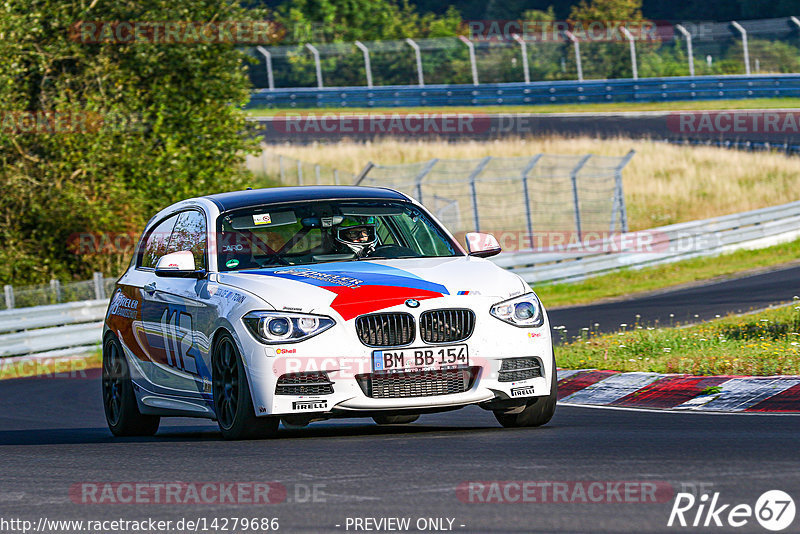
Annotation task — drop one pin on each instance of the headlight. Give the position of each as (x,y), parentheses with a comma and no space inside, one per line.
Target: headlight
(280,327)
(525,310)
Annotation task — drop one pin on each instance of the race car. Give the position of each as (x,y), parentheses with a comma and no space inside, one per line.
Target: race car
(300,304)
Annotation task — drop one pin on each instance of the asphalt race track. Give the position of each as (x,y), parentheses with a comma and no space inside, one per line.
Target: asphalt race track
(53,438)
(692,304)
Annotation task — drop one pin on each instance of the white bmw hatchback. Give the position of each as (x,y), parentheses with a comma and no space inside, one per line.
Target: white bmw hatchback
(307,303)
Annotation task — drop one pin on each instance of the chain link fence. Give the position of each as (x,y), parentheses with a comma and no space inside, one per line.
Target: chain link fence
(700,48)
(520,196)
(272,169)
(56,292)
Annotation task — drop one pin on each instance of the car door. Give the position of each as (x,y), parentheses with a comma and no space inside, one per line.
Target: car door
(175,310)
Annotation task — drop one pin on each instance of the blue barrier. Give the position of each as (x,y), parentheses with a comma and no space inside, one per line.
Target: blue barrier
(555,92)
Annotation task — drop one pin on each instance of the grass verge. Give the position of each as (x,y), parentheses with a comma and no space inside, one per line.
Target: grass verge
(759,344)
(688,105)
(628,282)
(67,367)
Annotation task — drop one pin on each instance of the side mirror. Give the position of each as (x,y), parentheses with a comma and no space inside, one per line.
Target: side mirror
(482,245)
(178,265)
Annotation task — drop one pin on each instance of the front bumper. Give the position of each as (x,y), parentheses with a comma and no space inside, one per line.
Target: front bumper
(347,365)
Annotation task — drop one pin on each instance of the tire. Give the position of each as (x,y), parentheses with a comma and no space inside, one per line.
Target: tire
(395,419)
(233,404)
(119,401)
(538,410)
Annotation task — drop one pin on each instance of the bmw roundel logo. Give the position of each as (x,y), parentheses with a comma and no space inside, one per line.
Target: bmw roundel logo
(412,303)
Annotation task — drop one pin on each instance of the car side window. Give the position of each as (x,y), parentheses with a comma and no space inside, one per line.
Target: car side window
(156,242)
(189,233)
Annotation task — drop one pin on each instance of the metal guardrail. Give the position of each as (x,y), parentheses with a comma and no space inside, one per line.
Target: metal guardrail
(52,331)
(665,244)
(550,92)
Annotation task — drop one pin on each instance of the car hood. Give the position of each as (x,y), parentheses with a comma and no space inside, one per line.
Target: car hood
(356,287)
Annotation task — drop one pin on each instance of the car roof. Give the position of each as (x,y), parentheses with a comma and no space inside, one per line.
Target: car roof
(257,197)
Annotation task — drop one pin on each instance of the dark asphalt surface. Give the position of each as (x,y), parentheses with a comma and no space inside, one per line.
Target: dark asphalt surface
(692,304)
(53,436)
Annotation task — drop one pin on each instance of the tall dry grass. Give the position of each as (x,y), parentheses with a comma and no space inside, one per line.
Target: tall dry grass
(663,184)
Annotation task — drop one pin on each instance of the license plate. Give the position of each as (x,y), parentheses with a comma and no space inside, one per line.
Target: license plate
(420,358)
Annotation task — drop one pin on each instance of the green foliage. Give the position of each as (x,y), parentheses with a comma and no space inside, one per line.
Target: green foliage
(184,136)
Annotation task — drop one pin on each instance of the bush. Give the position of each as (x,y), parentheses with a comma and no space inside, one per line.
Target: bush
(165,124)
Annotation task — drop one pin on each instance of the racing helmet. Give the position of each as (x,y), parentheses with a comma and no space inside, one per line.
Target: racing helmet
(358,234)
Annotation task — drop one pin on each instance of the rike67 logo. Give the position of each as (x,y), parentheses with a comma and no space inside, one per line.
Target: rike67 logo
(774,510)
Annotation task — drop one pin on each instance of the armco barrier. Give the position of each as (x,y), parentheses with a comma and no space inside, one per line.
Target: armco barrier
(666,244)
(52,331)
(551,92)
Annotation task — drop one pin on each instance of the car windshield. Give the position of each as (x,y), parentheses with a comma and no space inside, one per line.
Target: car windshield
(324,231)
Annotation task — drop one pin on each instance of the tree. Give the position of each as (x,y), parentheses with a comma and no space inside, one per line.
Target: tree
(165,124)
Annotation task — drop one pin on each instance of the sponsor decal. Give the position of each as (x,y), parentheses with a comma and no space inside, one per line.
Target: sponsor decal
(285,351)
(231,263)
(526,391)
(261,218)
(123,306)
(336,279)
(534,335)
(230,295)
(310,405)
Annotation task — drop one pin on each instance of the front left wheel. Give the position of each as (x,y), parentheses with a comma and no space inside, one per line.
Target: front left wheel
(119,401)
(233,404)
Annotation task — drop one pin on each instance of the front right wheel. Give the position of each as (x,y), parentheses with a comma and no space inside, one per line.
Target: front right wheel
(233,404)
(537,411)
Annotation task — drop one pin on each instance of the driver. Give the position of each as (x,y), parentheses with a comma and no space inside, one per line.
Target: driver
(358,236)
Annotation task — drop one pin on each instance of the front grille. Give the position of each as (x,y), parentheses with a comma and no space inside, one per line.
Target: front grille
(446,326)
(516,369)
(417,384)
(313,383)
(385,329)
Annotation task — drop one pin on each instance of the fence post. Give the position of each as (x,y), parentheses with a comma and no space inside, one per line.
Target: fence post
(473,176)
(528,215)
(336,176)
(742,31)
(415,46)
(472,64)
(424,172)
(573,176)
(317,63)
(264,162)
(577,46)
(619,197)
(316,171)
(363,174)
(99,288)
(268,61)
(632,43)
(55,288)
(9,292)
(688,37)
(524,47)
(299,172)
(367,66)
(282,170)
